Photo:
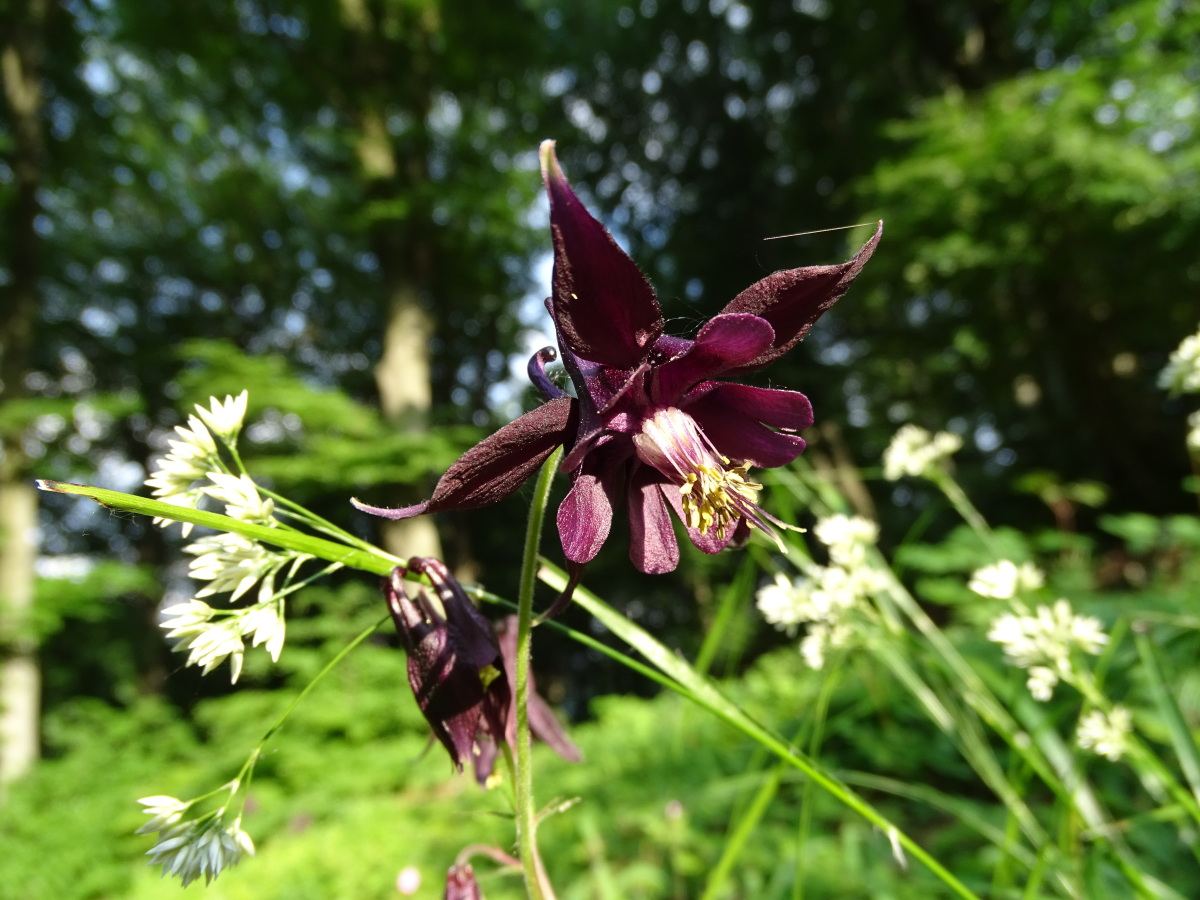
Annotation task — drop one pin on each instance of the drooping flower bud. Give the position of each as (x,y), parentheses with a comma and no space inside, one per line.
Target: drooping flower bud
(455,667)
(460,883)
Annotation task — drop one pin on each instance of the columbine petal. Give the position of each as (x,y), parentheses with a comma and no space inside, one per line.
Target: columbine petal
(585,515)
(725,342)
(742,422)
(496,466)
(652,545)
(605,308)
(793,300)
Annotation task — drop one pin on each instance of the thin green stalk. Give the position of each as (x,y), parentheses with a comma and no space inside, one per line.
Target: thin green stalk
(824,698)
(255,754)
(369,559)
(959,500)
(704,693)
(536,882)
(1177,727)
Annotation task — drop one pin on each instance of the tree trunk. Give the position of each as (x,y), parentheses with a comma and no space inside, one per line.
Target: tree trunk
(22,43)
(404,373)
(20,680)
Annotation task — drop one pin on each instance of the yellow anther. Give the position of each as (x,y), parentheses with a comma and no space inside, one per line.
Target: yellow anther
(711,495)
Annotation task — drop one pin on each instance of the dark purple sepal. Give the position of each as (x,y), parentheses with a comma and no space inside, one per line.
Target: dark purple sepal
(794,299)
(497,465)
(751,424)
(605,308)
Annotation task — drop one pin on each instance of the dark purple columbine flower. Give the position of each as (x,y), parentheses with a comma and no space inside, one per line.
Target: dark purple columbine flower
(462,670)
(653,423)
(455,666)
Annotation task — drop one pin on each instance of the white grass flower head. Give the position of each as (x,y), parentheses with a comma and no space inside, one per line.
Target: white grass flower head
(181,620)
(836,591)
(240,495)
(1106,734)
(219,641)
(847,537)
(783,602)
(225,417)
(820,638)
(825,600)
(1041,683)
(1043,642)
(188,461)
(200,849)
(264,624)
(1193,436)
(233,563)
(1182,372)
(1005,580)
(164,812)
(917,452)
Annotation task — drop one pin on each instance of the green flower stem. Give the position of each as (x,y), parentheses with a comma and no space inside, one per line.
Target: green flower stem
(241,781)
(536,882)
(961,502)
(325,670)
(367,558)
(1143,759)
(705,694)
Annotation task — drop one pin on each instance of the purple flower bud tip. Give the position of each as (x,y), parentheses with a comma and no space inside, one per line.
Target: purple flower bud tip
(461,884)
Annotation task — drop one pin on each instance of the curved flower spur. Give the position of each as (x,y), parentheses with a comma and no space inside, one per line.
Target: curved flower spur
(653,422)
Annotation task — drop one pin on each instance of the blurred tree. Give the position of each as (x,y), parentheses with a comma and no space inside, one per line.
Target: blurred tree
(279,180)
(22,46)
(404,112)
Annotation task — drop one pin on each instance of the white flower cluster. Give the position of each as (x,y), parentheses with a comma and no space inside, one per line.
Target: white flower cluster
(1182,372)
(212,636)
(234,564)
(847,538)
(915,451)
(192,848)
(229,563)
(1005,580)
(826,597)
(1042,643)
(1193,436)
(194,459)
(1106,734)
